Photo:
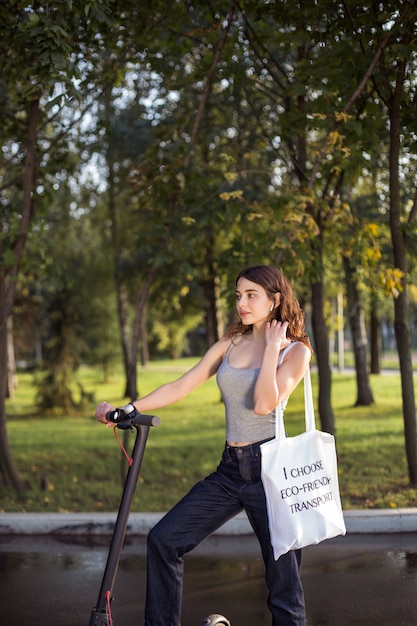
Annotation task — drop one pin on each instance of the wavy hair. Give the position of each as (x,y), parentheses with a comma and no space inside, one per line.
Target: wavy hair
(272,279)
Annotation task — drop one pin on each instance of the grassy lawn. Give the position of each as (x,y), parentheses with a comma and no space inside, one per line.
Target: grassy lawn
(73,463)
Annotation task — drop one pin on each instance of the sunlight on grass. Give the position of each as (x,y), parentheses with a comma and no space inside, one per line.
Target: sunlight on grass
(75,464)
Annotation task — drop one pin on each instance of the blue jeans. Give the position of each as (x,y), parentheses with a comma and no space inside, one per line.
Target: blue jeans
(235,485)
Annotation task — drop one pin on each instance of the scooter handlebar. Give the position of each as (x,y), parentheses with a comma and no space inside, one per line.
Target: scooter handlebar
(128,416)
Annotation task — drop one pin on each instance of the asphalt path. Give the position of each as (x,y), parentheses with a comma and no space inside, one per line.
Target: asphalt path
(51,573)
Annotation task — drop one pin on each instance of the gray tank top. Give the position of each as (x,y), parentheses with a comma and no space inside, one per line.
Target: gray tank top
(237,387)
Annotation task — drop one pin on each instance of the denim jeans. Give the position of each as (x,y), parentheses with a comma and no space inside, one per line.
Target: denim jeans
(234,486)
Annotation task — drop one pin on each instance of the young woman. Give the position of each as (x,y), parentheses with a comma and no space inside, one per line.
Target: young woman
(254,379)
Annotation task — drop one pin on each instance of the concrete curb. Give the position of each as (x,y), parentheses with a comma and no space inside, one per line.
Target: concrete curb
(357,522)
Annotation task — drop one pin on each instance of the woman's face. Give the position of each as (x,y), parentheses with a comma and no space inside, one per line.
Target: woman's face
(252,302)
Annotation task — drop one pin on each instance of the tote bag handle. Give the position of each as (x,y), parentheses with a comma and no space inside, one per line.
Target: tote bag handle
(308,403)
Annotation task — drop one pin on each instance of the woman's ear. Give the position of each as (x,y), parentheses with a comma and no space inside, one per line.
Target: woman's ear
(276,303)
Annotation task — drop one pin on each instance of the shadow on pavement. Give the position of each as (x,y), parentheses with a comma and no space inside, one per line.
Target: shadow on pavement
(348,581)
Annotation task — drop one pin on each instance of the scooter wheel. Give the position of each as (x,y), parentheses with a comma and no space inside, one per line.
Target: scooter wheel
(216,620)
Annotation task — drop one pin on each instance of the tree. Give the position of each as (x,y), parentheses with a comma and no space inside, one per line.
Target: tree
(310,100)
(394,81)
(158,232)
(37,49)
(221,145)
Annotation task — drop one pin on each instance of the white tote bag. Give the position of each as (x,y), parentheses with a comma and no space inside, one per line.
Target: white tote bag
(301,484)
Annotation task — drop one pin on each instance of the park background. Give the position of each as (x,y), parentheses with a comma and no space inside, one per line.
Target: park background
(149,152)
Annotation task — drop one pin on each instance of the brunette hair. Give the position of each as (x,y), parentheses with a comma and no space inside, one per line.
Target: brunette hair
(272,279)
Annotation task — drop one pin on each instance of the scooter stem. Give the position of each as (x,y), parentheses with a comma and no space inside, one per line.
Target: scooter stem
(99,615)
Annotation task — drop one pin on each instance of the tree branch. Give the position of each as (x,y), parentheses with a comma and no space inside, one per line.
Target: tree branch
(209,79)
(347,108)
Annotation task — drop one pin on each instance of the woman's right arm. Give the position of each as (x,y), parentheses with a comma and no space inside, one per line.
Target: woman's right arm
(179,388)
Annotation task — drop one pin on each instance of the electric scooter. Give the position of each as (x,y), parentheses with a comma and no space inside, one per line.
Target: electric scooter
(128,418)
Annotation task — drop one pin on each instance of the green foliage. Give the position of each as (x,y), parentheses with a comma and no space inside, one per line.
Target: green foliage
(284,163)
(72,462)
(171,339)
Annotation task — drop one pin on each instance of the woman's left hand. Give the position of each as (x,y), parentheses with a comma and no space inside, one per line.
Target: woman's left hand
(276,334)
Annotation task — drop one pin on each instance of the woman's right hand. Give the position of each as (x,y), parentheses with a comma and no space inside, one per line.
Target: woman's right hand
(101,411)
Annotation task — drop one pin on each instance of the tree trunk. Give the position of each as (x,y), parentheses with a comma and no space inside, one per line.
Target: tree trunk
(125,337)
(144,337)
(399,244)
(131,354)
(140,308)
(9,474)
(11,360)
(210,291)
(121,294)
(321,341)
(360,343)
(210,312)
(376,342)
(402,334)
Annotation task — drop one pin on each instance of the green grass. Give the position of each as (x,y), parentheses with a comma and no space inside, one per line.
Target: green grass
(73,463)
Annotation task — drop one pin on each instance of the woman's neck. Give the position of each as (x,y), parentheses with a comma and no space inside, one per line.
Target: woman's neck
(258,331)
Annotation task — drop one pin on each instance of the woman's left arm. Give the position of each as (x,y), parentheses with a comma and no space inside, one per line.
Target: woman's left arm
(275,384)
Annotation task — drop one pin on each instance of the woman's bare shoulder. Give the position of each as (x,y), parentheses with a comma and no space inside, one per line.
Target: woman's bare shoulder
(298,351)
(219,349)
